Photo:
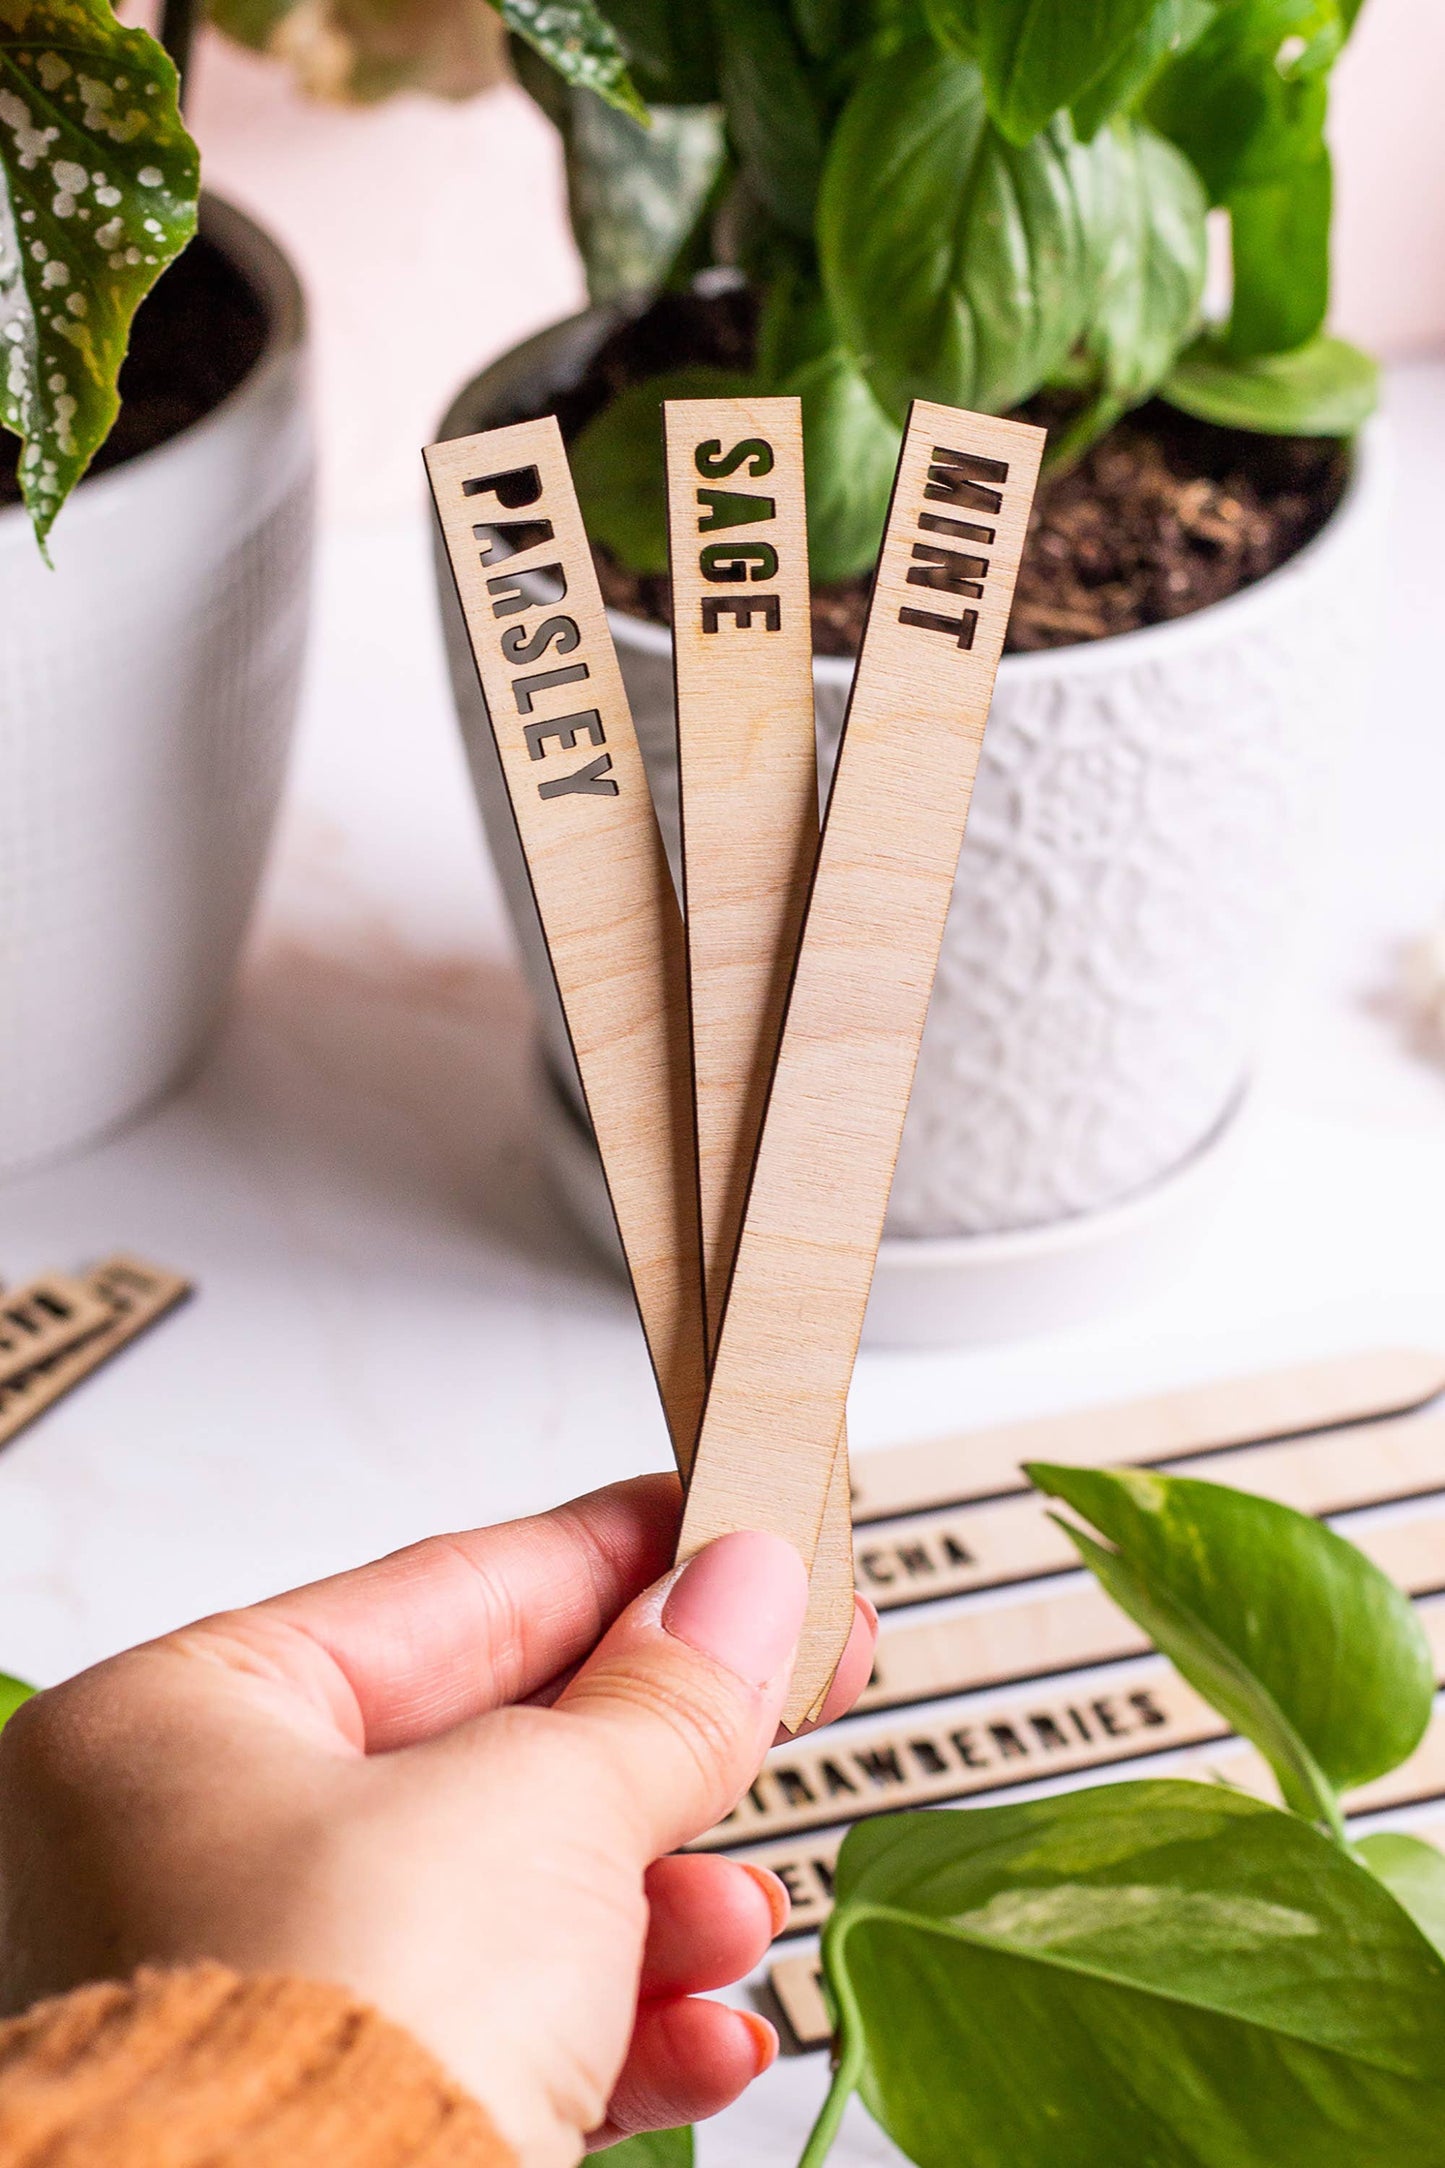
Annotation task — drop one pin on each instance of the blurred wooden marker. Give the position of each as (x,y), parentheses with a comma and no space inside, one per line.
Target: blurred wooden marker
(865,966)
(132,1295)
(41,1318)
(748,789)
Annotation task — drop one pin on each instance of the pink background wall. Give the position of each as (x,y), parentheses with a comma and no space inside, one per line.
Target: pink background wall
(432,236)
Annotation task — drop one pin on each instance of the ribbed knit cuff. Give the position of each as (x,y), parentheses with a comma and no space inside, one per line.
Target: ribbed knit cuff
(202,2066)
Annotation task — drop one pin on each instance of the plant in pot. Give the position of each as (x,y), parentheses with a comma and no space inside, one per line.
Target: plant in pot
(150,643)
(1006,206)
(1162,1970)
(148,677)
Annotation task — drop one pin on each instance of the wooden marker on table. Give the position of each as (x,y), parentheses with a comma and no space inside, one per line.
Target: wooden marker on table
(864,973)
(132,1295)
(748,790)
(609,915)
(44,1316)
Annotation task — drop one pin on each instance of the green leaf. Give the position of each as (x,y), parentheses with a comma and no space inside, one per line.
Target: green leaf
(850,444)
(954,23)
(822,25)
(581,45)
(955,264)
(12,1693)
(772,111)
(851,449)
(1146,221)
(670,50)
(1172,28)
(635,195)
(1039,55)
(1414,1874)
(1325,389)
(617,465)
(654,2149)
(1297,1638)
(1281,244)
(98,185)
(1247,101)
(1152,1973)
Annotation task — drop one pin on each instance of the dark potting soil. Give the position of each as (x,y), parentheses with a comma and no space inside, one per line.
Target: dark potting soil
(1160,518)
(197,335)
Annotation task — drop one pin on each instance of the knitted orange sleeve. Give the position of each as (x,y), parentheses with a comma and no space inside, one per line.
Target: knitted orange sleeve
(201,2066)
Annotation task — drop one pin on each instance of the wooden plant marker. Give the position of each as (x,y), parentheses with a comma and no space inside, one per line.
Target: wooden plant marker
(805,1865)
(748,787)
(1321,1395)
(569,755)
(860,991)
(1075,1628)
(998,1541)
(41,1318)
(132,1295)
(1057,1727)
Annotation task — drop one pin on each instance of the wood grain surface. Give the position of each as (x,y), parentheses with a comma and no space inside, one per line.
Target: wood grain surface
(748,792)
(1330,1393)
(958,1549)
(610,917)
(864,972)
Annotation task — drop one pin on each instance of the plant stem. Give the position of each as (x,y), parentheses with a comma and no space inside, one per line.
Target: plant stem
(845,2081)
(177,34)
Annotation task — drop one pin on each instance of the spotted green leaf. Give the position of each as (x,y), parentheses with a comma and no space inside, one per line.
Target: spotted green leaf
(98,186)
(581,44)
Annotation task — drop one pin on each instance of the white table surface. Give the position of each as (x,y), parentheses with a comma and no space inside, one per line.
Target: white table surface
(397,1329)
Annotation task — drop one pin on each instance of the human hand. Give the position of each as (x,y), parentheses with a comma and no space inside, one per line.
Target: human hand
(431,1782)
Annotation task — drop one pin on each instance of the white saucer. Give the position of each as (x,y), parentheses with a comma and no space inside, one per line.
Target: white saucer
(966,1290)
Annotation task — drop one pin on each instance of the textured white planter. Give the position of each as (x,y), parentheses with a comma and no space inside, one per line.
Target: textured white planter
(1137,846)
(147,691)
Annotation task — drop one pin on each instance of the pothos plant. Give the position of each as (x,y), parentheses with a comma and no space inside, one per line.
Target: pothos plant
(1160,1971)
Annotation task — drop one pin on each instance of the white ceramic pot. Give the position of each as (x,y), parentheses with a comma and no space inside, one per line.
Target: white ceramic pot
(147,692)
(1137,846)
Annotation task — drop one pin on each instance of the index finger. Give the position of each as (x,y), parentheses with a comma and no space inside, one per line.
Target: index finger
(404,1649)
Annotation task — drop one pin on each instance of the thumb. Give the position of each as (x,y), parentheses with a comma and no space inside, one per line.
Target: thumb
(679,1702)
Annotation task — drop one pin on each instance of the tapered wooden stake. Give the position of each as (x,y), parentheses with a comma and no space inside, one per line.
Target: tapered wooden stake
(609,915)
(1323,1395)
(748,784)
(860,993)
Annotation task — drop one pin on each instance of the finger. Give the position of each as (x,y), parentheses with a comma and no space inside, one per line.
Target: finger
(688,2060)
(405,1649)
(855,1668)
(676,1708)
(710,1920)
